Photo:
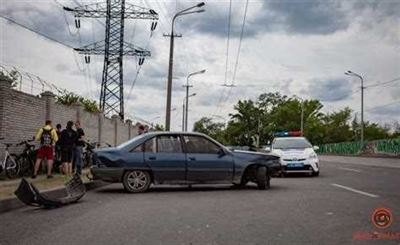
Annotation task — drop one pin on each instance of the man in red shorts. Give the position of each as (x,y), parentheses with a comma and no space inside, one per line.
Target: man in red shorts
(47,137)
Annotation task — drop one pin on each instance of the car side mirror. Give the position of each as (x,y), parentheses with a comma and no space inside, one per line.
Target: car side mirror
(267,149)
(315,147)
(221,152)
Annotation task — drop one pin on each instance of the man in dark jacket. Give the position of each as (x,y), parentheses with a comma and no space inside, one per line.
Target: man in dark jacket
(67,143)
(78,149)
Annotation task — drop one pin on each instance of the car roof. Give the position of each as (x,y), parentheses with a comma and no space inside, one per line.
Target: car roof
(174,133)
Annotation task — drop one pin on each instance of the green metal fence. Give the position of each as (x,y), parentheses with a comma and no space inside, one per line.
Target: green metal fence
(385,146)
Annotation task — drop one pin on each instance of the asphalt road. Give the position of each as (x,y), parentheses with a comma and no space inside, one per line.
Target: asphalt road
(328,209)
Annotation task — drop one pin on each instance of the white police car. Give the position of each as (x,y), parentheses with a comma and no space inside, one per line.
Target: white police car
(296,154)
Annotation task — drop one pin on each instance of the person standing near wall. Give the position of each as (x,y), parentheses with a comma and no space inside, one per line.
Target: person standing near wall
(140,129)
(47,137)
(57,160)
(67,144)
(80,143)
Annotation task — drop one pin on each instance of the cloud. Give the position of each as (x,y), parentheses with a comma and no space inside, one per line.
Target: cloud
(330,90)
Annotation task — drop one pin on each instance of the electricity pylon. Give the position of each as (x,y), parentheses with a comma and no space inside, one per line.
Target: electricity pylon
(113,47)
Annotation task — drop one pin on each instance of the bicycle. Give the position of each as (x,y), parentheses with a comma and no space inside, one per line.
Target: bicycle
(88,154)
(9,165)
(26,159)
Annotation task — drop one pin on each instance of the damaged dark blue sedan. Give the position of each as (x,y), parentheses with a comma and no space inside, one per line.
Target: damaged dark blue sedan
(181,158)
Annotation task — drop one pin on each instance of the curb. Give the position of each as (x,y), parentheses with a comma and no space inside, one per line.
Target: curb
(13,203)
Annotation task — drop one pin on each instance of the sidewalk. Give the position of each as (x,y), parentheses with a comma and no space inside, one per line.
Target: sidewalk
(7,187)
(366,161)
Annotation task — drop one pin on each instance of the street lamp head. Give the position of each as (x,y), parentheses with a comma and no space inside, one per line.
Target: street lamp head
(199,11)
(200,4)
(202,71)
(194,94)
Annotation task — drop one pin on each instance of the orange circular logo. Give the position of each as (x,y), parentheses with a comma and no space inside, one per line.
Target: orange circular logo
(382,218)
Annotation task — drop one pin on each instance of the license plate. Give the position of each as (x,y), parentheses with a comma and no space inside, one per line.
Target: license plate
(295,165)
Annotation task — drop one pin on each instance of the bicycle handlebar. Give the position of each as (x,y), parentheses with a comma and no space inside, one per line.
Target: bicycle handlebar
(25,142)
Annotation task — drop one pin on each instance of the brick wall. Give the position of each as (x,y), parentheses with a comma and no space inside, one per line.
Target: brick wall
(21,115)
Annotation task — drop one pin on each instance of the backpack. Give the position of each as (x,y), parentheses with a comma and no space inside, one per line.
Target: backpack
(46,139)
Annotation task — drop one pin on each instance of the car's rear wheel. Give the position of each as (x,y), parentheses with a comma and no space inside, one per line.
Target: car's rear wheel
(136,181)
(262,178)
(315,174)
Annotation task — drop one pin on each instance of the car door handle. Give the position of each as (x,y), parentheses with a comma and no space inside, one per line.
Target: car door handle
(192,158)
(152,158)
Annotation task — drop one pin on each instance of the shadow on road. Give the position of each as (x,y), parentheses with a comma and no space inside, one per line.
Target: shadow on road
(194,188)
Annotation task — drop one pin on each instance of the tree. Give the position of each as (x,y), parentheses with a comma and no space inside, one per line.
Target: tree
(12,76)
(158,127)
(336,126)
(206,126)
(245,122)
(69,98)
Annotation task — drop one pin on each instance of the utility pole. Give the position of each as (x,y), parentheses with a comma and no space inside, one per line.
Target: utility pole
(171,60)
(350,73)
(185,105)
(301,115)
(187,95)
(113,47)
(302,118)
(183,117)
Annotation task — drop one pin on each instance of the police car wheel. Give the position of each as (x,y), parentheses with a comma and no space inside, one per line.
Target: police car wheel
(315,174)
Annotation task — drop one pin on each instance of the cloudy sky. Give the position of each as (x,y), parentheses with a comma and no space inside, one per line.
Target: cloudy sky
(296,47)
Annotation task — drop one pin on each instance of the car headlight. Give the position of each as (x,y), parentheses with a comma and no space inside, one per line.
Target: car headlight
(313,156)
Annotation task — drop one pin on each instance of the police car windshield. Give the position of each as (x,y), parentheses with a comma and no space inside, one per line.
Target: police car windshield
(291,143)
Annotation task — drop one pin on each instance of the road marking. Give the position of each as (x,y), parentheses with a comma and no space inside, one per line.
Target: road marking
(351,169)
(356,191)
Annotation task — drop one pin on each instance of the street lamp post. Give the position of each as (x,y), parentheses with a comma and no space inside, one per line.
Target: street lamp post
(350,73)
(171,61)
(185,111)
(187,95)
(302,115)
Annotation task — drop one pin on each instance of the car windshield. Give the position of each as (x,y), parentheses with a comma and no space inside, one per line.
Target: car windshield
(129,142)
(292,143)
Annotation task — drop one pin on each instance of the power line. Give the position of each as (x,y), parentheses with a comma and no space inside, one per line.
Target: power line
(220,99)
(227,42)
(383,83)
(239,48)
(34,31)
(380,106)
(240,42)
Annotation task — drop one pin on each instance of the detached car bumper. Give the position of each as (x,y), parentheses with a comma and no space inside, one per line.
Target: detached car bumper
(106,174)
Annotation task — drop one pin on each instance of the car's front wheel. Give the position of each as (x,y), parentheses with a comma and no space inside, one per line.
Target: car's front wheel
(136,181)
(262,178)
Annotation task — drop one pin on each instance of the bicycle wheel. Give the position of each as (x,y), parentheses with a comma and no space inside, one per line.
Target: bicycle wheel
(12,167)
(26,166)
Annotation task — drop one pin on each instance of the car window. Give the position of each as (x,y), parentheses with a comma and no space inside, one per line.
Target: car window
(150,145)
(169,144)
(138,148)
(198,144)
(291,143)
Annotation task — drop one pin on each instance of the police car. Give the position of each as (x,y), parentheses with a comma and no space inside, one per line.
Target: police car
(296,153)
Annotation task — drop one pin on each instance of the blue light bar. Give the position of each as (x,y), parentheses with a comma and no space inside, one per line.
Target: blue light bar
(286,134)
(281,134)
